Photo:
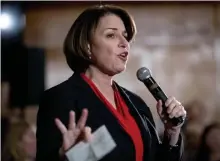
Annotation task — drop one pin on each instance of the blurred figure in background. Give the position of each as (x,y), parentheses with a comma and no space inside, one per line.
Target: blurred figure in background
(8,114)
(5,88)
(209,149)
(20,143)
(193,128)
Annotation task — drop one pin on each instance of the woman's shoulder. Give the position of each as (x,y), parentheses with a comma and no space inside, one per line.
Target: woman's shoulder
(62,89)
(60,94)
(58,89)
(58,99)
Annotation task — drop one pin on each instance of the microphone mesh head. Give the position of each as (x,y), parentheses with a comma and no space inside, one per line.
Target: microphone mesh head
(143,73)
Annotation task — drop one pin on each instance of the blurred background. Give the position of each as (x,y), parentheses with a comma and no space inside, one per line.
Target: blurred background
(178,41)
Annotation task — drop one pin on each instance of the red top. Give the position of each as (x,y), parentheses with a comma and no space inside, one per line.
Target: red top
(124,117)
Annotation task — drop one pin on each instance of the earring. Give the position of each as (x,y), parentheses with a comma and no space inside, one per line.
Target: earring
(89,53)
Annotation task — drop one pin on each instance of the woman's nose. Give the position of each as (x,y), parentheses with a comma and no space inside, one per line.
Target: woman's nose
(123,43)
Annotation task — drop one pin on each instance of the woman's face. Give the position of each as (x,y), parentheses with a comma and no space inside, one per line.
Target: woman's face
(213,139)
(29,143)
(109,47)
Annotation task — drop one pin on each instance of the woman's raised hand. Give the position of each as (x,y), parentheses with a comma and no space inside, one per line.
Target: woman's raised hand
(75,132)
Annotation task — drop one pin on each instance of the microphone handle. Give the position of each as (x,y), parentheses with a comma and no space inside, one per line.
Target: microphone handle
(158,94)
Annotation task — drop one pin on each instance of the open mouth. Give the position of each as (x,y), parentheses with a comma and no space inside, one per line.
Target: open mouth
(123,56)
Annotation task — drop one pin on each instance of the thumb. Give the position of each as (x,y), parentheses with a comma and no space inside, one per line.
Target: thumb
(159,107)
(87,134)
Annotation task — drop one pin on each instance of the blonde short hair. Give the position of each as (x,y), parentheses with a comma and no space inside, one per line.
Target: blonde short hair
(11,149)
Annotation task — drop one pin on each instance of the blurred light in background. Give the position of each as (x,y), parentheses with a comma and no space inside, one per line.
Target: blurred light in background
(12,20)
(6,21)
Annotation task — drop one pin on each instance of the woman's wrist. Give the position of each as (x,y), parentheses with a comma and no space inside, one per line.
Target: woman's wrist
(172,136)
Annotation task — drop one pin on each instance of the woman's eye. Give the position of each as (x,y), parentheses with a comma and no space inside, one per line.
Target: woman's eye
(111,35)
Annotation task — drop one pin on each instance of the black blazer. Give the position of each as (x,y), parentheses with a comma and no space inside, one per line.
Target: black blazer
(75,94)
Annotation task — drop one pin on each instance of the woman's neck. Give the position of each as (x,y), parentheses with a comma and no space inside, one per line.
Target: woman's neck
(101,80)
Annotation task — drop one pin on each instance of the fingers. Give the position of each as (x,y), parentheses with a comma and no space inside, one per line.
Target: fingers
(175,112)
(72,122)
(88,134)
(72,125)
(169,100)
(60,126)
(174,108)
(82,121)
(180,113)
(171,103)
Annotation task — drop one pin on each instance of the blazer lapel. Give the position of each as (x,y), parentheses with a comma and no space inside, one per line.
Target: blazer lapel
(145,132)
(98,112)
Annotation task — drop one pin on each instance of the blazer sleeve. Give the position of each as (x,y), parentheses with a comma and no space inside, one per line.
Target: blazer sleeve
(163,150)
(48,136)
(170,153)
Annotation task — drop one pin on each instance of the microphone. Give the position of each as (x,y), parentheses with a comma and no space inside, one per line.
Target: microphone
(144,75)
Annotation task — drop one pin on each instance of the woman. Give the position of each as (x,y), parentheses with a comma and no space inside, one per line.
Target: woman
(97,48)
(20,143)
(209,149)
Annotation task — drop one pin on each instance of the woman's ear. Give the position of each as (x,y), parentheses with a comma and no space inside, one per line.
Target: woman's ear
(89,51)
